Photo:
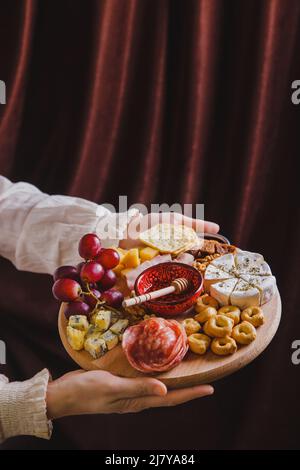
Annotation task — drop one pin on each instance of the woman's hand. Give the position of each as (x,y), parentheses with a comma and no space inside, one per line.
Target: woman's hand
(93,392)
(140,223)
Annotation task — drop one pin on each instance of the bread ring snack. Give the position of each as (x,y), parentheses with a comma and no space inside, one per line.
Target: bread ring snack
(218,326)
(205,301)
(191,326)
(199,343)
(253,315)
(244,333)
(232,312)
(206,314)
(223,346)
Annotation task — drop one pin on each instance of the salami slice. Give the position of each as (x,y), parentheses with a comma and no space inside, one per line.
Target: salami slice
(155,344)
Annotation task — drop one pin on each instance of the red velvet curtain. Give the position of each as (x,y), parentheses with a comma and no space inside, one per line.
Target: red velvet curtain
(164,101)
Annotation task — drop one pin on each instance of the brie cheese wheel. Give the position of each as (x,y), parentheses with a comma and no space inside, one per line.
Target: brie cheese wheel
(265,284)
(244,279)
(226,263)
(244,295)
(221,291)
(214,274)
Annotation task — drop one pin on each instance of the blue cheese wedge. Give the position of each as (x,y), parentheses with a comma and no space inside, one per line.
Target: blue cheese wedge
(265,284)
(93,331)
(79,322)
(102,319)
(110,339)
(75,338)
(214,274)
(120,326)
(95,346)
(244,295)
(225,263)
(222,291)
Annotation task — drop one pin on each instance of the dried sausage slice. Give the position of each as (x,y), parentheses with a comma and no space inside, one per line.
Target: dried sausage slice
(155,344)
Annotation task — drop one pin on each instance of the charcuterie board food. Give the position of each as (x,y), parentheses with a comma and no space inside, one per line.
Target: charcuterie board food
(222,313)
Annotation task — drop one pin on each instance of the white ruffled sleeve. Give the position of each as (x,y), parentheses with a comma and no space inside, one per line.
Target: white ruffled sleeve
(40,232)
(23,407)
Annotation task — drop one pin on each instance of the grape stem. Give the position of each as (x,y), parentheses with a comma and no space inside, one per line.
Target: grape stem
(99,302)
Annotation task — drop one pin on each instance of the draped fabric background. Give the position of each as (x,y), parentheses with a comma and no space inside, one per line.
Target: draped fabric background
(164,101)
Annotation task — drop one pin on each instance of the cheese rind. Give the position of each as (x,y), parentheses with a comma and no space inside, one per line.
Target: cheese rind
(221,291)
(244,295)
(265,284)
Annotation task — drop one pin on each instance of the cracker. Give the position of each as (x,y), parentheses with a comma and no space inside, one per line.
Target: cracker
(169,238)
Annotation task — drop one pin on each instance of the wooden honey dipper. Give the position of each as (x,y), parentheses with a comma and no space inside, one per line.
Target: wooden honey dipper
(178,285)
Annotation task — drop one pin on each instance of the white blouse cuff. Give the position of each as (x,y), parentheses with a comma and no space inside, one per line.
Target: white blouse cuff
(23,408)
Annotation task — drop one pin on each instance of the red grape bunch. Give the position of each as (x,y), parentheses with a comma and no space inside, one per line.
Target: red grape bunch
(91,282)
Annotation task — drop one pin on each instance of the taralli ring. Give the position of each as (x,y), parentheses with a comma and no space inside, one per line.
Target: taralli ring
(206,314)
(205,301)
(232,312)
(253,315)
(191,326)
(199,343)
(244,333)
(218,326)
(223,346)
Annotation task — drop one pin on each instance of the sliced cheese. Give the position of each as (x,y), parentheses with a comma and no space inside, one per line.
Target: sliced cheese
(244,295)
(265,284)
(226,263)
(214,274)
(221,291)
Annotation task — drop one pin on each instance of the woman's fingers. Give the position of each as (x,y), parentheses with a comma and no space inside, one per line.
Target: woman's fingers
(210,227)
(139,387)
(199,225)
(172,398)
(175,397)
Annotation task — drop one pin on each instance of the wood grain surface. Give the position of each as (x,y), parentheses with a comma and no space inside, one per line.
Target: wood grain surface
(194,369)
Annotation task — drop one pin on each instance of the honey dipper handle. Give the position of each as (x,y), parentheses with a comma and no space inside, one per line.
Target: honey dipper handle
(178,285)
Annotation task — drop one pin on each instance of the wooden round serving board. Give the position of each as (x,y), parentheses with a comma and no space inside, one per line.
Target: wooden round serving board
(194,369)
